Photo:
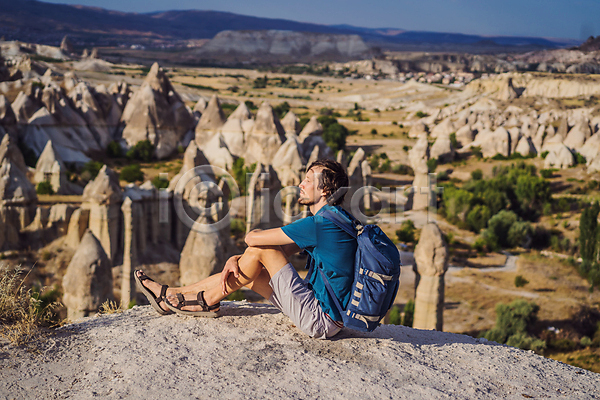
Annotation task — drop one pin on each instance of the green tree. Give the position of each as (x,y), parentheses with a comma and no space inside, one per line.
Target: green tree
(406,233)
(131,173)
(142,151)
(478,217)
(513,322)
(334,133)
(44,188)
(588,244)
(160,182)
(409,313)
(499,225)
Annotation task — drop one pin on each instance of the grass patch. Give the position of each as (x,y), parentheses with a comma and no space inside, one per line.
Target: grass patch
(23,312)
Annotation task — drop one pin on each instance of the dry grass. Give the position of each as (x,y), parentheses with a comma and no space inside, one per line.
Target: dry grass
(110,307)
(22,315)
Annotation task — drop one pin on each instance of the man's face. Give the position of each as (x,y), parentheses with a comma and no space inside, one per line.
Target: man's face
(309,191)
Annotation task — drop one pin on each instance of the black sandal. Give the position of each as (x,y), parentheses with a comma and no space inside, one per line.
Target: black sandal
(152,299)
(207,311)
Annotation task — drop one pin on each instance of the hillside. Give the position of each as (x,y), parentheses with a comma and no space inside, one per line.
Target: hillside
(46,23)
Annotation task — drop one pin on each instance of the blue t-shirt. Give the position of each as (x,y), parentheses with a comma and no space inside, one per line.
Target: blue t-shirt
(333,250)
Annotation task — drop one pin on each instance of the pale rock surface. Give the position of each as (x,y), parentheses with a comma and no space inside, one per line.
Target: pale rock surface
(217,152)
(465,135)
(262,190)
(419,155)
(205,251)
(211,122)
(104,189)
(525,147)
(559,156)
(43,127)
(312,128)
(10,151)
(267,134)
(88,280)
(273,359)
(27,103)
(492,143)
(515,135)
(444,128)
(78,224)
(431,263)
(290,124)
(417,129)
(591,148)
(442,149)
(200,106)
(288,162)
(355,177)
(15,188)
(156,113)
(50,167)
(577,136)
(233,130)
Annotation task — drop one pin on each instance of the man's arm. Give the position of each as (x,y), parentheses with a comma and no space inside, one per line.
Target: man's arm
(268,237)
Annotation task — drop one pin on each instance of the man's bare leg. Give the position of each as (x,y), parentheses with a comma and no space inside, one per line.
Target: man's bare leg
(257,265)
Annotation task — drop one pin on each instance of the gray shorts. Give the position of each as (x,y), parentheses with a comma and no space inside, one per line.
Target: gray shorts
(292,296)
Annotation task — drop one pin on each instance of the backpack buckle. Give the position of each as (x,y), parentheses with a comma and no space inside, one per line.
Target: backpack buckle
(359,228)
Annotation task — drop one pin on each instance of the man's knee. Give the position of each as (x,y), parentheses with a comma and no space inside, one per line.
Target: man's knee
(265,254)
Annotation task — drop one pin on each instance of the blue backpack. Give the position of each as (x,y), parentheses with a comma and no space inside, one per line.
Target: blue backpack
(376,275)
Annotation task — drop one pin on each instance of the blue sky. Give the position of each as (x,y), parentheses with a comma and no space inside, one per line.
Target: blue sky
(575,19)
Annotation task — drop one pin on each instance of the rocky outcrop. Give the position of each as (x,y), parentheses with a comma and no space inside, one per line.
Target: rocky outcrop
(233,130)
(559,156)
(88,281)
(288,162)
(50,168)
(269,45)
(156,113)
(442,149)
(210,123)
(267,134)
(431,264)
(205,251)
(290,124)
(262,189)
(102,197)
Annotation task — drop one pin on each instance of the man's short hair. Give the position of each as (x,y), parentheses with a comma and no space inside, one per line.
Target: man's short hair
(334,180)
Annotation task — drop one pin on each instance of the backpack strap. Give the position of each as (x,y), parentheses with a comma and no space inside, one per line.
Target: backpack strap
(353,227)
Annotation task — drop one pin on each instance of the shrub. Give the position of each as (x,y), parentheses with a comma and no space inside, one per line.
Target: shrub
(547,173)
(585,341)
(386,166)
(520,281)
(579,159)
(334,133)
(442,176)
(544,154)
(402,169)
(114,150)
(44,187)
(373,131)
(432,164)
(478,217)
(281,109)
(477,175)
(240,172)
(395,316)
(421,114)
(131,173)
(160,183)
(476,151)
(90,170)
(496,234)
(409,313)
(512,323)
(142,151)
(519,234)
(479,245)
(406,233)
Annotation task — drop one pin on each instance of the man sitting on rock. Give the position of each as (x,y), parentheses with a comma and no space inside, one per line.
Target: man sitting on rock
(265,268)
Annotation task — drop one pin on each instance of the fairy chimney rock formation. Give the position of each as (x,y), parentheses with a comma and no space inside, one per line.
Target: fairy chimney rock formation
(267,134)
(205,251)
(156,113)
(290,124)
(262,190)
(431,263)
(233,130)
(312,128)
(88,281)
(50,168)
(211,121)
(102,197)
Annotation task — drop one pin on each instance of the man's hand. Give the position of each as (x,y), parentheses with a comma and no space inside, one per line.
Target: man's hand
(231,267)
